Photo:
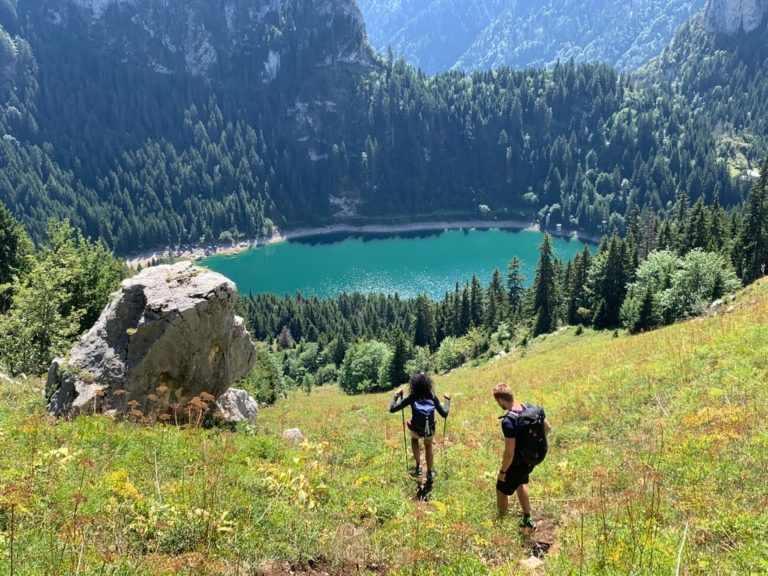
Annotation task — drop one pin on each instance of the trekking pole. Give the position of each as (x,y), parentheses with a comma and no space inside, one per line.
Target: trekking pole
(445,445)
(445,442)
(405,443)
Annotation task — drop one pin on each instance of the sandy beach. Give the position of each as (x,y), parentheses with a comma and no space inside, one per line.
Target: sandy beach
(198,252)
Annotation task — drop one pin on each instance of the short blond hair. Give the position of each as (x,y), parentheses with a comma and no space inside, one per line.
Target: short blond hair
(503,392)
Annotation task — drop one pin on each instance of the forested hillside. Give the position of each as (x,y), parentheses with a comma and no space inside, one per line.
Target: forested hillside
(437,35)
(146,132)
(729,86)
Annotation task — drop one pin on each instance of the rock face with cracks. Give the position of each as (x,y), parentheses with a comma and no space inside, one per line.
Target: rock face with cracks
(734,16)
(168,336)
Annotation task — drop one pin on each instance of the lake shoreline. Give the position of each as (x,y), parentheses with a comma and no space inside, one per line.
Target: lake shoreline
(201,251)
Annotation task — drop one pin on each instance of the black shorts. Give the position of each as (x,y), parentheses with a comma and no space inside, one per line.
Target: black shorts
(419,433)
(515,477)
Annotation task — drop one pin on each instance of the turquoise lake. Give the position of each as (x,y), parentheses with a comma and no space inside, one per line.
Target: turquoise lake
(408,264)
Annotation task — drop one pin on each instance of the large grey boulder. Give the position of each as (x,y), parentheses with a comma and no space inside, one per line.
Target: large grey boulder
(168,336)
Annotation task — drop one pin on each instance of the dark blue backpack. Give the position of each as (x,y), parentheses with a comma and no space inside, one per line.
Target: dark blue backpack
(531,446)
(423,420)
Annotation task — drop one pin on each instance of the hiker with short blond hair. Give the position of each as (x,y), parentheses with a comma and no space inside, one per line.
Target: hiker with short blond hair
(525,428)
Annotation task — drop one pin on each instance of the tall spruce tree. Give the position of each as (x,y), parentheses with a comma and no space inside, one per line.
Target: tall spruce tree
(397,374)
(424,332)
(752,245)
(545,303)
(476,302)
(697,234)
(15,252)
(610,285)
(717,224)
(577,297)
(465,319)
(496,310)
(515,288)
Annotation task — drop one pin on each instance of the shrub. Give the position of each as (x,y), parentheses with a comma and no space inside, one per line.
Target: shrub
(326,374)
(365,368)
(454,352)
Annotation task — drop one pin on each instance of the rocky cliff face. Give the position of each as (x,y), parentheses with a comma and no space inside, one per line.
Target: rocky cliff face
(734,16)
(204,37)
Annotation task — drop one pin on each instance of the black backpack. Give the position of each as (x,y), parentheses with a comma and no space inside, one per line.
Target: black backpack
(423,420)
(531,440)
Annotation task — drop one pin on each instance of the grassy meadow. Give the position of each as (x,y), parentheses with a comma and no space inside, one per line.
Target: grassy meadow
(657,465)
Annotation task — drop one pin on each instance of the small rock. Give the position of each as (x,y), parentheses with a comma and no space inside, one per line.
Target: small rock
(730,309)
(530,563)
(716,304)
(293,435)
(237,405)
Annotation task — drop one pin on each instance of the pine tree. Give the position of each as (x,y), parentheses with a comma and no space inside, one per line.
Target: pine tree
(577,299)
(648,317)
(681,221)
(609,285)
(515,288)
(15,252)
(696,235)
(465,318)
(285,339)
(397,374)
(716,232)
(496,311)
(545,291)
(666,237)
(424,332)
(338,350)
(476,304)
(752,244)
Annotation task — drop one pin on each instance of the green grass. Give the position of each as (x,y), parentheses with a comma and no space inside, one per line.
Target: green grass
(652,434)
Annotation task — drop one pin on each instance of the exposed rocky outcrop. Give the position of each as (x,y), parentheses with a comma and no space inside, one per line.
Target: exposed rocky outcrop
(203,38)
(167,337)
(734,16)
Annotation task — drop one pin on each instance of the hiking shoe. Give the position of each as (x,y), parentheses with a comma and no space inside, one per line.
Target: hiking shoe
(416,471)
(527,522)
(431,474)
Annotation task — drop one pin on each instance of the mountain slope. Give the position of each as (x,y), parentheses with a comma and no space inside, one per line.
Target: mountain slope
(654,435)
(437,35)
(146,129)
(122,104)
(722,73)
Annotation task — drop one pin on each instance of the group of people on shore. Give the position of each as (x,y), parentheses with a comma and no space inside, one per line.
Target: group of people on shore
(524,427)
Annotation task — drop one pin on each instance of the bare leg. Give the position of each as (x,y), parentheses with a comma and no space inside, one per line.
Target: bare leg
(416,451)
(522,497)
(429,453)
(502,502)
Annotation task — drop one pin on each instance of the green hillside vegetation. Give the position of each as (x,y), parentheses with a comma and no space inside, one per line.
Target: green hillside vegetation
(657,460)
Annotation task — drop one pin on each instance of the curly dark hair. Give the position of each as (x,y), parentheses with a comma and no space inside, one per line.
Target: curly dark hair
(421,386)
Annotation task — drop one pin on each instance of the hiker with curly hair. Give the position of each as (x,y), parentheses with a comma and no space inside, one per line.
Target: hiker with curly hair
(525,428)
(423,402)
